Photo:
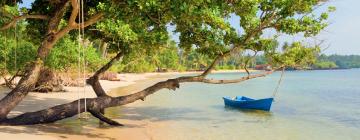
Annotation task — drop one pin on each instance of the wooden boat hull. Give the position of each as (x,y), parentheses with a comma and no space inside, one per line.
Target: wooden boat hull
(249,103)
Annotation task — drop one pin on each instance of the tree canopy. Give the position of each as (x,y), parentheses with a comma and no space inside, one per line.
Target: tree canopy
(141,27)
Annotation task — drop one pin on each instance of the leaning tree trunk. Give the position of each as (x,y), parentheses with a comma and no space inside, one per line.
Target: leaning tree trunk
(26,83)
(95,105)
(24,86)
(32,72)
(52,36)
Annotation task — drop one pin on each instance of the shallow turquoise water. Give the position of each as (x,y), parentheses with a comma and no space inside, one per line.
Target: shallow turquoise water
(309,105)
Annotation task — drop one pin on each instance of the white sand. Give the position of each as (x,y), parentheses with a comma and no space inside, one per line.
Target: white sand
(133,129)
(38,101)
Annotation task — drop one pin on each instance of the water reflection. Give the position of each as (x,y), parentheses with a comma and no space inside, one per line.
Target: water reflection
(250,112)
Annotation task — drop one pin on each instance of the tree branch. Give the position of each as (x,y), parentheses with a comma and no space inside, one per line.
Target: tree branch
(17,18)
(101,117)
(262,25)
(94,80)
(32,73)
(94,104)
(74,13)
(214,81)
(92,19)
(71,109)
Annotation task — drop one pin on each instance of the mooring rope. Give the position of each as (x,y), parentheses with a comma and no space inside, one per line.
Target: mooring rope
(279,82)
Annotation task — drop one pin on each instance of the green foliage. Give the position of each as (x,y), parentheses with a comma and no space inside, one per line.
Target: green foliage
(225,67)
(12,10)
(15,54)
(93,59)
(66,56)
(194,60)
(165,57)
(117,29)
(141,66)
(63,57)
(341,61)
(325,65)
(295,55)
(140,29)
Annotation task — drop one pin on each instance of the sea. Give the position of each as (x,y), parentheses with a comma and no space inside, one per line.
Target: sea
(309,105)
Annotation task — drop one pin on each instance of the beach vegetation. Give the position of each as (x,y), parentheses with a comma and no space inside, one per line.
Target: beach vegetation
(138,38)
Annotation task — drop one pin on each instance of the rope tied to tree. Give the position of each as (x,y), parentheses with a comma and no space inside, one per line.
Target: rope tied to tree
(279,82)
(81,57)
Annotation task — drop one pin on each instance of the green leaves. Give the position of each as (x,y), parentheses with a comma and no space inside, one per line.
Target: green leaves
(65,56)
(102,6)
(13,10)
(331,9)
(203,28)
(325,65)
(117,30)
(16,55)
(295,55)
(265,45)
(142,26)
(309,25)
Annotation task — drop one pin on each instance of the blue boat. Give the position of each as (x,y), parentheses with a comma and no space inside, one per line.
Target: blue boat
(248,103)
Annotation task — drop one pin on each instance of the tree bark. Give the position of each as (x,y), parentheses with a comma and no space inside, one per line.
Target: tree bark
(94,80)
(96,104)
(53,35)
(99,91)
(32,72)
(25,85)
(101,117)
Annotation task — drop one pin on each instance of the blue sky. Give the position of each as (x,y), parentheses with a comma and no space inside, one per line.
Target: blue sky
(342,36)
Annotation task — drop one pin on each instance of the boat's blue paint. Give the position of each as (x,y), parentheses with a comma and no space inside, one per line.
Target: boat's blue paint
(249,103)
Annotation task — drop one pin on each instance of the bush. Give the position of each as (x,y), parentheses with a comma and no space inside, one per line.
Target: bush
(65,56)
(325,65)
(141,66)
(16,56)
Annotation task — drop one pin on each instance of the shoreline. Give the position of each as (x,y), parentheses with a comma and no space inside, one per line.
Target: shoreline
(129,83)
(37,101)
(138,126)
(195,72)
(140,76)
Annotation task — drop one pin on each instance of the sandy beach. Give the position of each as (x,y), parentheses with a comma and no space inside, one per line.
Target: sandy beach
(37,101)
(74,128)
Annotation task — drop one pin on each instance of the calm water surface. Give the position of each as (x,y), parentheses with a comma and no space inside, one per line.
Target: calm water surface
(310,105)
